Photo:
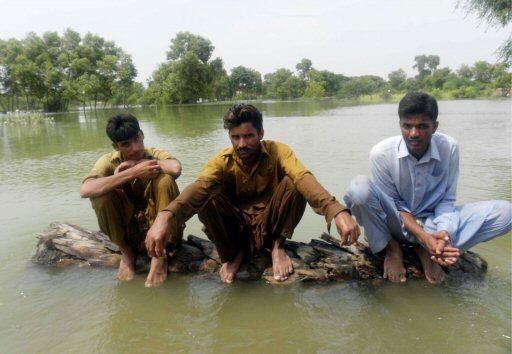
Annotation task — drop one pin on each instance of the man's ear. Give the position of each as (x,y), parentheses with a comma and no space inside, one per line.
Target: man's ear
(114,145)
(260,134)
(436,124)
(141,134)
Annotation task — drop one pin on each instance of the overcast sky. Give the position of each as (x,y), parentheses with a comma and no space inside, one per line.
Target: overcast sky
(351,37)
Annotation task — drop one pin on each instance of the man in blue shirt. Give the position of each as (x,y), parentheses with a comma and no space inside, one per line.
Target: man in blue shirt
(412,196)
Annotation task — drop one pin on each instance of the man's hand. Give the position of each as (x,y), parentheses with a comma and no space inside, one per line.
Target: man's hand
(142,169)
(347,228)
(124,166)
(440,248)
(157,236)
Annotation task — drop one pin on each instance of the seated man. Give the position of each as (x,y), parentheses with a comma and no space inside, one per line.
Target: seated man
(249,197)
(127,188)
(412,196)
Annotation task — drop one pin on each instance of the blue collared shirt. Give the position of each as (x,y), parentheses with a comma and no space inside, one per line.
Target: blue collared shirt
(423,187)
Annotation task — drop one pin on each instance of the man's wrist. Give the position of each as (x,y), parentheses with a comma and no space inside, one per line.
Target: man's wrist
(447,234)
(347,210)
(167,212)
(423,237)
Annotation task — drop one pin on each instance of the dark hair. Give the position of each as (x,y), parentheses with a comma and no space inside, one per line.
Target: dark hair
(418,103)
(241,113)
(122,127)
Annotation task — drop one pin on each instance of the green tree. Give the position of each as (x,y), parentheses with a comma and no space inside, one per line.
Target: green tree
(426,64)
(465,71)
(496,13)
(44,71)
(245,82)
(438,78)
(283,84)
(220,87)
(482,71)
(330,81)
(304,69)
(188,79)
(314,90)
(397,79)
(124,85)
(502,78)
(187,76)
(185,42)
(360,86)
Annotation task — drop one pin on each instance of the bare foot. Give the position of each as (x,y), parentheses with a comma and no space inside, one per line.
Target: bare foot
(433,271)
(228,270)
(157,272)
(281,263)
(394,263)
(127,265)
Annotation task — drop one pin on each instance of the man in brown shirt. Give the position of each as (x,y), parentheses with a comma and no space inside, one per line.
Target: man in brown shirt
(127,188)
(249,197)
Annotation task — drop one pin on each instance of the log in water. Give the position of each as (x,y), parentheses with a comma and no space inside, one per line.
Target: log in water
(319,260)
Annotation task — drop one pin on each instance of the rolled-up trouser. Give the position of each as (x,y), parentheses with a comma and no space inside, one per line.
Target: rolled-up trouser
(378,214)
(233,229)
(126,213)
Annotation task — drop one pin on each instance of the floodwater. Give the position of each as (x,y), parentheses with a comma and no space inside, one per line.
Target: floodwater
(83,310)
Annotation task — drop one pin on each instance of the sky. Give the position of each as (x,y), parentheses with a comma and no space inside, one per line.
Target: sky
(350,37)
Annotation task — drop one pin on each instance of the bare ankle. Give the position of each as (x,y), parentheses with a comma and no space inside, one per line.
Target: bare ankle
(278,243)
(393,247)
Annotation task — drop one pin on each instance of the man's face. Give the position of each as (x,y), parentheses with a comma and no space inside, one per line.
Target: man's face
(246,141)
(417,131)
(131,149)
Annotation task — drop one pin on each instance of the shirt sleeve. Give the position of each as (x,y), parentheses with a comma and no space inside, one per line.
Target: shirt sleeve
(384,181)
(197,194)
(319,199)
(102,168)
(446,217)
(290,164)
(161,154)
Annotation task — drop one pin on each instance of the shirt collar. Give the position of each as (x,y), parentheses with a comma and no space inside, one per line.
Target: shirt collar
(431,153)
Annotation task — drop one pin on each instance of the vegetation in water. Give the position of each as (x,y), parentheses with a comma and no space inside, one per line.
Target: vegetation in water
(25,118)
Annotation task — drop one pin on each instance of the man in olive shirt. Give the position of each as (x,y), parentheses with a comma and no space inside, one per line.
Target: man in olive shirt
(127,188)
(249,197)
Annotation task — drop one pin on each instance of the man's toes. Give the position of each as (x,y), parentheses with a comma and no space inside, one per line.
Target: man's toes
(229,278)
(224,278)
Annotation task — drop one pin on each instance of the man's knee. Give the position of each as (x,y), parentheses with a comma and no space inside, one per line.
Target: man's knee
(359,191)
(210,207)
(103,201)
(503,209)
(165,182)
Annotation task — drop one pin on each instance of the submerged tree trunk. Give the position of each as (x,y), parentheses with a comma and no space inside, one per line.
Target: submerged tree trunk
(319,260)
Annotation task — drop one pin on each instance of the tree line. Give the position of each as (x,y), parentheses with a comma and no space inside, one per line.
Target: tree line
(51,72)
(54,72)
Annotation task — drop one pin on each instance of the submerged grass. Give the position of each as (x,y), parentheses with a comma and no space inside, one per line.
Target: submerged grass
(25,118)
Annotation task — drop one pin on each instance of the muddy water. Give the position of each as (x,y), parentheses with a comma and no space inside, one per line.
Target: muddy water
(87,310)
